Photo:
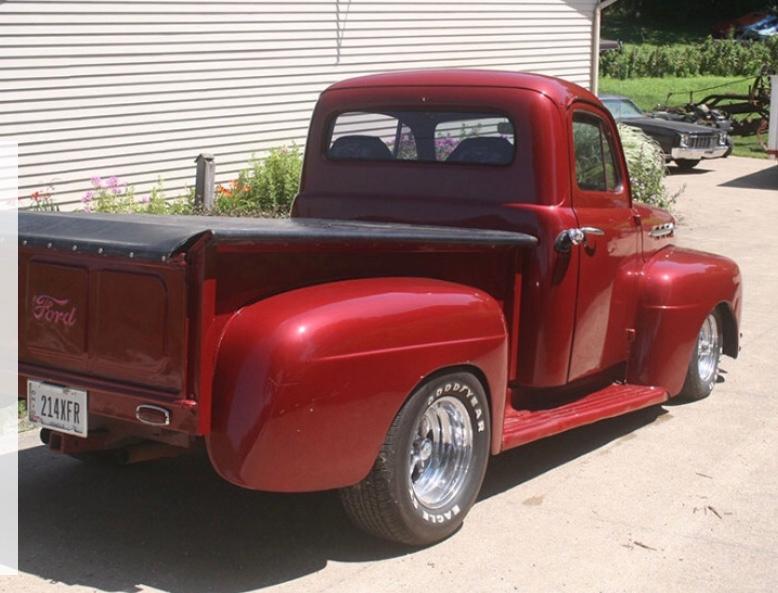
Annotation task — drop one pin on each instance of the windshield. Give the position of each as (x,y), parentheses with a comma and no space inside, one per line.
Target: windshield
(622,108)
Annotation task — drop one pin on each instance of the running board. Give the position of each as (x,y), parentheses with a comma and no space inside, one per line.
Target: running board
(524,426)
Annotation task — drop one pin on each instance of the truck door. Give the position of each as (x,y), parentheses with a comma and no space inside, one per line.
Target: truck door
(609,261)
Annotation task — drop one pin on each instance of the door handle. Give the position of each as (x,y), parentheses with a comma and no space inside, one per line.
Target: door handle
(569,237)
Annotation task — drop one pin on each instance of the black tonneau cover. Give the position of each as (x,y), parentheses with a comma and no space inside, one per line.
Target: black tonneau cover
(161,237)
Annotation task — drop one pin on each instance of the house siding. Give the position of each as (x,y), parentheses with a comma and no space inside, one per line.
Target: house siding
(137,89)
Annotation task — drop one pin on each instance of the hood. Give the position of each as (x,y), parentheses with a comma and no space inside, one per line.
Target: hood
(665,125)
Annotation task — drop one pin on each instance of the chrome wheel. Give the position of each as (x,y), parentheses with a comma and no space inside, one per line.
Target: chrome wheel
(708,350)
(441,452)
(430,468)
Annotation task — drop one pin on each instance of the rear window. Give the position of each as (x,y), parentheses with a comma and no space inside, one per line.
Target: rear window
(423,136)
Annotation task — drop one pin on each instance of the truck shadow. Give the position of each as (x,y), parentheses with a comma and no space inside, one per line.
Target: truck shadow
(175,526)
(522,464)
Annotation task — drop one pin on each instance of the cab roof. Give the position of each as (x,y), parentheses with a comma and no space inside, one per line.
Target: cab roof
(560,91)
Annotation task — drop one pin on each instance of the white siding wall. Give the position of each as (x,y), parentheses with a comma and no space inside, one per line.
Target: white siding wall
(138,88)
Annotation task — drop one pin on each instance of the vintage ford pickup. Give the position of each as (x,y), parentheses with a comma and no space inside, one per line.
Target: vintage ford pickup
(464,272)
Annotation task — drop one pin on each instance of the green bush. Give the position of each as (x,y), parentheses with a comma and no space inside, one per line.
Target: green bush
(266,188)
(718,57)
(646,165)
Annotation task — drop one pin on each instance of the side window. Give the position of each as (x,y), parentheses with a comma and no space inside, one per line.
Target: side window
(596,168)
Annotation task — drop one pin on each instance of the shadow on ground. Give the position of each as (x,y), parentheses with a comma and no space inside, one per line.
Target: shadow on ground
(175,526)
(676,170)
(762,179)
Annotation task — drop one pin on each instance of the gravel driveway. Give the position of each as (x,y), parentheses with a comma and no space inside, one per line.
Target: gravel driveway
(673,498)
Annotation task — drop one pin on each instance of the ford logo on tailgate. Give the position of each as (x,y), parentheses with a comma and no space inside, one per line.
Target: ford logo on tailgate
(53,310)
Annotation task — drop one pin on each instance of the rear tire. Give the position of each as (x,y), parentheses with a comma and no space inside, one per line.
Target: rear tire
(687,164)
(704,366)
(431,466)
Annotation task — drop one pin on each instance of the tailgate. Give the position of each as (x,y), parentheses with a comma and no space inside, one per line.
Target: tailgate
(106,319)
(116,326)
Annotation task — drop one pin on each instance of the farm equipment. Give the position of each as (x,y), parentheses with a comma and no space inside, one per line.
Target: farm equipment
(743,114)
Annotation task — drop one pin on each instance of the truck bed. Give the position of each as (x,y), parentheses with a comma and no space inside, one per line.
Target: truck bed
(130,307)
(162,237)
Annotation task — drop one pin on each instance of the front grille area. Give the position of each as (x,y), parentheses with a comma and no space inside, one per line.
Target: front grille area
(705,141)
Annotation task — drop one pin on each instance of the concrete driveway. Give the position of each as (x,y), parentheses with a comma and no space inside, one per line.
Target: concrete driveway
(673,498)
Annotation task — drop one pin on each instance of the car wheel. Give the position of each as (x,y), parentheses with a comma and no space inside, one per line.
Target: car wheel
(687,164)
(704,366)
(431,466)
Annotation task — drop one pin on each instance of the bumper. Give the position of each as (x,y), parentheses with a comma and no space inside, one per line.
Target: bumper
(118,403)
(695,154)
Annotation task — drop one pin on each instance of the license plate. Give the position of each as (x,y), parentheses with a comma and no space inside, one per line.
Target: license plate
(56,407)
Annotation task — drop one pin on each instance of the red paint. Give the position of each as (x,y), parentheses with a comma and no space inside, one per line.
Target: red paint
(129,318)
(310,380)
(524,426)
(678,287)
(292,359)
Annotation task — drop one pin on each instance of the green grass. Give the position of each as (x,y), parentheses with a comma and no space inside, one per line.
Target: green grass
(650,92)
(749,146)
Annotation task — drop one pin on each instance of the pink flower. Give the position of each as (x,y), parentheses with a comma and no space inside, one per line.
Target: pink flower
(88,197)
(113,181)
(145,200)
(97,181)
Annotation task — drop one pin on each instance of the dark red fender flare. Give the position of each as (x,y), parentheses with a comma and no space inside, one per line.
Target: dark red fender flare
(678,288)
(308,382)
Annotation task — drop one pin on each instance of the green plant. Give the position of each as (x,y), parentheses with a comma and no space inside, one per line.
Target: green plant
(646,165)
(111,195)
(41,201)
(158,203)
(267,187)
(719,57)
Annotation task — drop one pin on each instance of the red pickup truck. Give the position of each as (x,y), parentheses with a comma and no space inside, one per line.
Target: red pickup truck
(464,272)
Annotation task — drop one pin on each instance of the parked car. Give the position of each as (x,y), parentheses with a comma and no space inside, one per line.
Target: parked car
(464,272)
(683,143)
(762,29)
(735,27)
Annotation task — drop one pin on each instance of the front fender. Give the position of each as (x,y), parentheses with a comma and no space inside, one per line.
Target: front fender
(308,382)
(678,289)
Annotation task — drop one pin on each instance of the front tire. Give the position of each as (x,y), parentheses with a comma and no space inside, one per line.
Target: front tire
(704,366)
(431,466)
(687,164)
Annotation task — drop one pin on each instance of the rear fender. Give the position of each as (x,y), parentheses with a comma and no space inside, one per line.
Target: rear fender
(308,382)
(678,289)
